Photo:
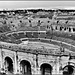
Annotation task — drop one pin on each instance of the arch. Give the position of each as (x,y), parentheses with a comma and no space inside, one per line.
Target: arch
(27,59)
(46,69)
(8,64)
(68,70)
(10,56)
(25,67)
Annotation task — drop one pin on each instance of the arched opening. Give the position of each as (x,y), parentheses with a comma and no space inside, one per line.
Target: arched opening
(25,67)
(8,64)
(68,70)
(46,69)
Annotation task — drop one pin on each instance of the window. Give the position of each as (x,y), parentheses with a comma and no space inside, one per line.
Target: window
(69,29)
(57,22)
(47,26)
(73,29)
(56,27)
(65,28)
(66,22)
(60,28)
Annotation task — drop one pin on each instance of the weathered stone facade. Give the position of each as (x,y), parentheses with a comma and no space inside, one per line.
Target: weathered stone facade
(57,62)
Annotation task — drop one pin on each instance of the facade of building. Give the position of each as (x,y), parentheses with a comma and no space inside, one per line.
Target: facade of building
(26,48)
(36,58)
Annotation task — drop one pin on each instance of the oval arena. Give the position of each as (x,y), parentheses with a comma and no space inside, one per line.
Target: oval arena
(36,50)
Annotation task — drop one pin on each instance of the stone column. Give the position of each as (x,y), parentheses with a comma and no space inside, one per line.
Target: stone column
(37,66)
(0,59)
(1,55)
(57,65)
(33,66)
(16,64)
(54,70)
(71,30)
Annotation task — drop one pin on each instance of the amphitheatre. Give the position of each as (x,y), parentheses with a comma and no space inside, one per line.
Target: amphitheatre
(37,42)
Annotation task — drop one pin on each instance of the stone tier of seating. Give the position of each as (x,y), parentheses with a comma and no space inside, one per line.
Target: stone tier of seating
(57,38)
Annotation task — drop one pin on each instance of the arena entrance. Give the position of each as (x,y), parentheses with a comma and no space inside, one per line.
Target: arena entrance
(25,67)
(8,64)
(46,69)
(68,70)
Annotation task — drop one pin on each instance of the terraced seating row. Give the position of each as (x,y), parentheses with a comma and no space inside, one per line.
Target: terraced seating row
(37,36)
(11,37)
(15,35)
(42,35)
(47,35)
(21,35)
(69,41)
(64,35)
(5,28)
(28,35)
(45,40)
(34,28)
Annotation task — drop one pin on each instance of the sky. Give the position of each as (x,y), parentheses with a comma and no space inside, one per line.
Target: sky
(36,4)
